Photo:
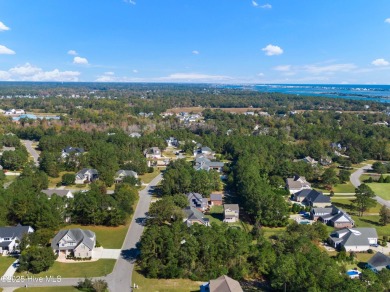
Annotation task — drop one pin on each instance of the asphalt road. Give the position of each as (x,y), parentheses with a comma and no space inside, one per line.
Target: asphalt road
(31,150)
(356,182)
(120,278)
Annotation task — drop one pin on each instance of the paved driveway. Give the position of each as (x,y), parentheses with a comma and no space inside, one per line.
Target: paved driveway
(31,150)
(104,253)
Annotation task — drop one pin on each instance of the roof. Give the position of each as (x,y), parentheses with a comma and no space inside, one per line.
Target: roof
(354,236)
(85,170)
(193,214)
(379,261)
(225,284)
(206,149)
(196,200)
(297,182)
(216,197)
(312,196)
(70,149)
(15,231)
(60,193)
(126,173)
(233,207)
(78,235)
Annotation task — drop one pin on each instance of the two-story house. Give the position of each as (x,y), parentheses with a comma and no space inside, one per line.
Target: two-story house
(153,152)
(11,236)
(296,184)
(122,173)
(86,175)
(76,242)
(231,213)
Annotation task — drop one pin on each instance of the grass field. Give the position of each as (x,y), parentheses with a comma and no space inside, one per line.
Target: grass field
(346,205)
(163,285)
(5,262)
(340,188)
(78,270)
(148,177)
(48,289)
(381,190)
(108,237)
(372,221)
(269,231)
(54,180)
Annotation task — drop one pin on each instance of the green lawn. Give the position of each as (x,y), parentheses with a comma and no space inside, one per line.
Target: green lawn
(5,262)
(108,237)
(215,215)
(54,180)
(163,285)
(340,188)
(269,231)
(372,221)
(148,177)
(78,270)
(345,204)
(381,190)
(49,289)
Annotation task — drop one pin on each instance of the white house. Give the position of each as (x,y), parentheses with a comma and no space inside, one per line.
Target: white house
(153,152)
(86,175)
(354,239)
(77,242)
(231,213)
(10,237)
(121,174)
(297,183)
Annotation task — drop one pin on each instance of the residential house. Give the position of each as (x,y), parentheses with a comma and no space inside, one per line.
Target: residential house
(61,193)
(221,284)
(6,149)
(14,112)
(70,150)
(196,200)
(378,262)
(312,198)
(332,216)
(121,174)
(325,161)
(135,135)
(76,242)
(86,175)
(172,142)
(216,200)
(10,237)
(354,239)
(203,163)
(310,160)
(153,152)
(231,213)
(194,216)
(297,183)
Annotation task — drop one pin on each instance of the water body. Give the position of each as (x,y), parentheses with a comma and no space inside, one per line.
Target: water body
(380,93)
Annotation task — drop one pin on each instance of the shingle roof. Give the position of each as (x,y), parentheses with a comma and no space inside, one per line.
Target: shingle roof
(225,284)
(78,235)
(312,196)
(379,261)
(14,231)
(60,193)
(233,207)
(354,236)
(216,197)
(193,214)
(126,173)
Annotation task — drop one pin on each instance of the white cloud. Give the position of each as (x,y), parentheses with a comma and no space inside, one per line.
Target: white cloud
(380,62)
(283,68)
(272,50)
(132,2)
(266,6)
(191,77)
(28,72)
(315,69)
(3,27)
(387,20)
(261,74)
(109,73)
(195,52)
(79,60)
(135,71)
(5,51)
(254,3)
(72,52)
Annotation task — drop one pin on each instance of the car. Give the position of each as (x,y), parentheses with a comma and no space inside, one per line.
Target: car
(374,245)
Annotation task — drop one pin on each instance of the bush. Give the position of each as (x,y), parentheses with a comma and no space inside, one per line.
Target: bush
(370,250)
(150,169)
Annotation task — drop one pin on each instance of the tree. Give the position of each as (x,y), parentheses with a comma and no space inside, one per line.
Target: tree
(364,199)
(329,177)
(344,175)
(36,259)
(379,167)
(68,179)
(384,215)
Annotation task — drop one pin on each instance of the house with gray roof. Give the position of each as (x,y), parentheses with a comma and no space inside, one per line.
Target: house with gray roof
(332,216)
(10,236)
(203,163)
(71,150)
(231,213)
(312,198)
(221,284)
(152,152)
(354,239)
(297,183)
(61,193)
(196,200)
(216,200)
(194,216)
(76,242)
(122,173)
(86,175)
(378,262)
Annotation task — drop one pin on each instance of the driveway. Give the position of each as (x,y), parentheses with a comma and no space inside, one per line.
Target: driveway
(104,253)
(355,180)
(31,150)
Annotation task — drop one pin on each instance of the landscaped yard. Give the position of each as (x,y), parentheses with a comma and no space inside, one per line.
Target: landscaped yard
(381,190)
(5,262)
(48,289)
(53,181)
(346,205)
(148,177)
(372,221)
(340,188)
(163,285)
(78,270)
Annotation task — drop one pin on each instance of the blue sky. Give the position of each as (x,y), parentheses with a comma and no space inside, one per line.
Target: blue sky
(217,41)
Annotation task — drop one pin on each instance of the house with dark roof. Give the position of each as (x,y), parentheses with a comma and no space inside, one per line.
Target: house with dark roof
(196,200)
(76,242)
(172,142)
(86,175)
(221,284)
(297,183)
(10,236)
(354,239)
(71,150)
(332,216)
(216,200)
(122,173)
(194,216)
(61,193)
(231,213)
(312,198)
(378,262)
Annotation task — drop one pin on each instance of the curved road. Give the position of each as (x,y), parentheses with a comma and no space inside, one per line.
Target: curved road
(355,180)
(120,278)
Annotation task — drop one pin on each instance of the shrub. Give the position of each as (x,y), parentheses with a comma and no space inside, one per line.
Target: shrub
(370,250)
